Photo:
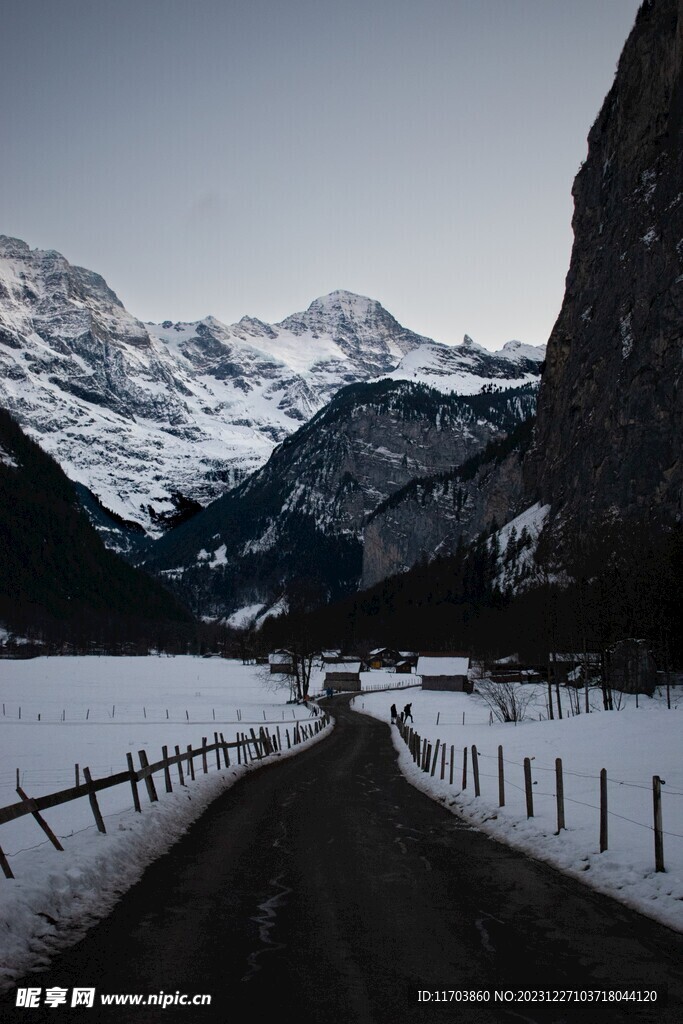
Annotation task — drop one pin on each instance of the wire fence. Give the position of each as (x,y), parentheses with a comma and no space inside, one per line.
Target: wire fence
(247,747)
(428,755)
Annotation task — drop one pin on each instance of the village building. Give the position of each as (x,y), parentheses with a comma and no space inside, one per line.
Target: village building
(281,661)
(343,675)
(444,672)
(573,667)
(383,657)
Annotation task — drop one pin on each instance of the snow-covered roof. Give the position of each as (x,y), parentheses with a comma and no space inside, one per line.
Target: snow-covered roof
(442,666)
(590,657)
(343,666)
(280,658)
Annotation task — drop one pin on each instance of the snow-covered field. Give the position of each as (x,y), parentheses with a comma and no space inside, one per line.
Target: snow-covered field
(93,711)
(632,744)
(59,712)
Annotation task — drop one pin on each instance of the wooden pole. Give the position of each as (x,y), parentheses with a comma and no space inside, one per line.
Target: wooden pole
(77,775)
(256,744)
(190,761)
(527,788)
(443,761)
(428,758)
(501,778)
(464,767)
(149,780)
(92,797)
(475,770)
(181,777)
(435,758)
(226,752)
(559,788)
(167,770)
(41,821)
(452,764)
(205,766)
(134,782)
(218,755)
(603,810)
(4,864)
(659,834)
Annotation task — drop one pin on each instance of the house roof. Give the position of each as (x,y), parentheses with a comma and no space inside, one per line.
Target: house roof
(343,666)
(280,657)
(442,666)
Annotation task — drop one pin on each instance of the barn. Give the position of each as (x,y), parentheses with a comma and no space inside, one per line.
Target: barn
(281,661)
(444,672)
(342,675)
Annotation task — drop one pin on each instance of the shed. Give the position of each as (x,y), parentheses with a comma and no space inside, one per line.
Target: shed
(281,661)
(444,672)
(343,675)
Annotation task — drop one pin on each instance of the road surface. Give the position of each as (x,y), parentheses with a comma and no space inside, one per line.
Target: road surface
(327,888)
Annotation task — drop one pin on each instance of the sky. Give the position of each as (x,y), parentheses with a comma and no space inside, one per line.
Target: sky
(233,157)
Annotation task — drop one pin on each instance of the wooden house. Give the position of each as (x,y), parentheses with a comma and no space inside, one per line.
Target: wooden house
(281,661)
(342,675)
(444,672)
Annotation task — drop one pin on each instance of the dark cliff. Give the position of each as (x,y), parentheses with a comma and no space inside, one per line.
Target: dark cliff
(608,438)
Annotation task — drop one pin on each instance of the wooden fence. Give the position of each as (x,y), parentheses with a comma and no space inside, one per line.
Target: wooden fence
(429,757)
(247,747)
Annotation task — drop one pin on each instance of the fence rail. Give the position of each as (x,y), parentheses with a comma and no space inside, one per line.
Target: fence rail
(426,756)
(248,747)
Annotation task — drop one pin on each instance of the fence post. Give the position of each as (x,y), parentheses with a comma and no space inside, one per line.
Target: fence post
(133,782)
(436,757)
(4,864)
(167,770)
(559,787)
(501,778)
(41,821)
(181,777)
(428,758)
(226,753)
(527,788)
(452,764)
(464,767)
(149,781)
(190,761)
(659,834)
(603,810)
(218,754)
(443,761)
(205,766)
(92,797)
(475,770)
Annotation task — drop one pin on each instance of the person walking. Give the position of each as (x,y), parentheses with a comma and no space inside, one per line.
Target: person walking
(408,713)
(394,713)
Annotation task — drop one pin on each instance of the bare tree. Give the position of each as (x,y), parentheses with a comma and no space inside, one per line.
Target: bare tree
(507,701)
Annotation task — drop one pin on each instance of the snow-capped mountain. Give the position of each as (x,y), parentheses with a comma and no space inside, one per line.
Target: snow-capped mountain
(144,414)
(464,369)
(295,528)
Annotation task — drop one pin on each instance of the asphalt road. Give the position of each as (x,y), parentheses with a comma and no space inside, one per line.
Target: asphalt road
(328,889)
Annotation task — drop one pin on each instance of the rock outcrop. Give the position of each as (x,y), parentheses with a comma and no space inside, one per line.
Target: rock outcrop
(610,412)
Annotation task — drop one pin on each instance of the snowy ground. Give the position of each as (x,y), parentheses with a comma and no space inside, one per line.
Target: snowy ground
(632,744)
(58,712)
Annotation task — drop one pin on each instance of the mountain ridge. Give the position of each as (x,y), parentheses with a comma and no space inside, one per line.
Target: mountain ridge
(139,413)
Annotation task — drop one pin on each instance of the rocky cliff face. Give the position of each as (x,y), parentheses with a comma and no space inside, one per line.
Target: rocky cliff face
(301,518)
(430,517)
(608,439)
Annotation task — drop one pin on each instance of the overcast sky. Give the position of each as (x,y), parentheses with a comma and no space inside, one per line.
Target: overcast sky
(246,156)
